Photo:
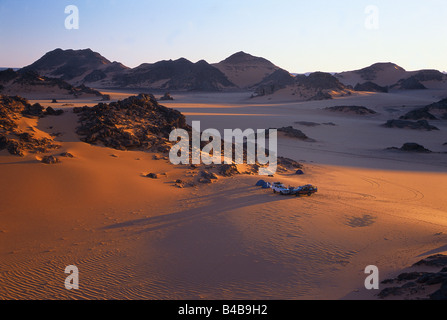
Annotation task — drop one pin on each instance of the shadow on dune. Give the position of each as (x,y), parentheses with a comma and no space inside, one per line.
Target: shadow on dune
(203,206)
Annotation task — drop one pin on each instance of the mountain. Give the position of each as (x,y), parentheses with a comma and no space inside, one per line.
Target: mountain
(245,70)
(278,80)
(382,75)
(76,66)
(180,74)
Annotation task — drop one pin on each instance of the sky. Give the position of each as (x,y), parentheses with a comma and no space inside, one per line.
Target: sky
(297,35)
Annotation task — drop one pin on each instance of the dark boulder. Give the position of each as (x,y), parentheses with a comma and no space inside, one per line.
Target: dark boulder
(35,110)
(51,112)
(167,97)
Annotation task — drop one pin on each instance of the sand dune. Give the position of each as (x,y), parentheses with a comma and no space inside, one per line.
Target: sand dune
(137,238)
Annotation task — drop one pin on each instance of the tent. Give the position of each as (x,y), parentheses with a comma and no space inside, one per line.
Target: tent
(300,172)
(263,184)
(260,183)
(266,185)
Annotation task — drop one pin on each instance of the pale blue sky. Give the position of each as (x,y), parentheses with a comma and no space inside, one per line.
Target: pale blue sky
(297,35)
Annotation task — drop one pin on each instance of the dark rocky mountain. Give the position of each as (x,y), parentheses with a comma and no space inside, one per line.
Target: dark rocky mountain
(278,80)
(320,80)
(239,71)
(245,70)
(76,66)
(180,74)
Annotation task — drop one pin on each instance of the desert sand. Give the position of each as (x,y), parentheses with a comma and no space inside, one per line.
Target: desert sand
(137,238)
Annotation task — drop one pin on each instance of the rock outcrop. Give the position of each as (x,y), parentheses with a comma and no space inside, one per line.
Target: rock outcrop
(352,109)
(417,284)
(405,124)
(137,122)
(30,82)
(291,132)
(412,147)
(370,87)
(15,140)
(434,111)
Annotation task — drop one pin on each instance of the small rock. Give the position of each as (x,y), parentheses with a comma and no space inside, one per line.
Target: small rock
(209,175)
(67,155)
(50,160)
(152,175)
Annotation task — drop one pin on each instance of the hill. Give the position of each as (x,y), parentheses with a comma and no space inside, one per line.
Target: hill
(76,66)
(245,70)
(180,74)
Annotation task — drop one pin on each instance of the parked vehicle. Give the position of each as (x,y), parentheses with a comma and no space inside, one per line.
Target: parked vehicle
(280,188)
(305,190)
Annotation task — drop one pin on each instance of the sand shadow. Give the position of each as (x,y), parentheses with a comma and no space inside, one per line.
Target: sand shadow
(361,222)
(204,206)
